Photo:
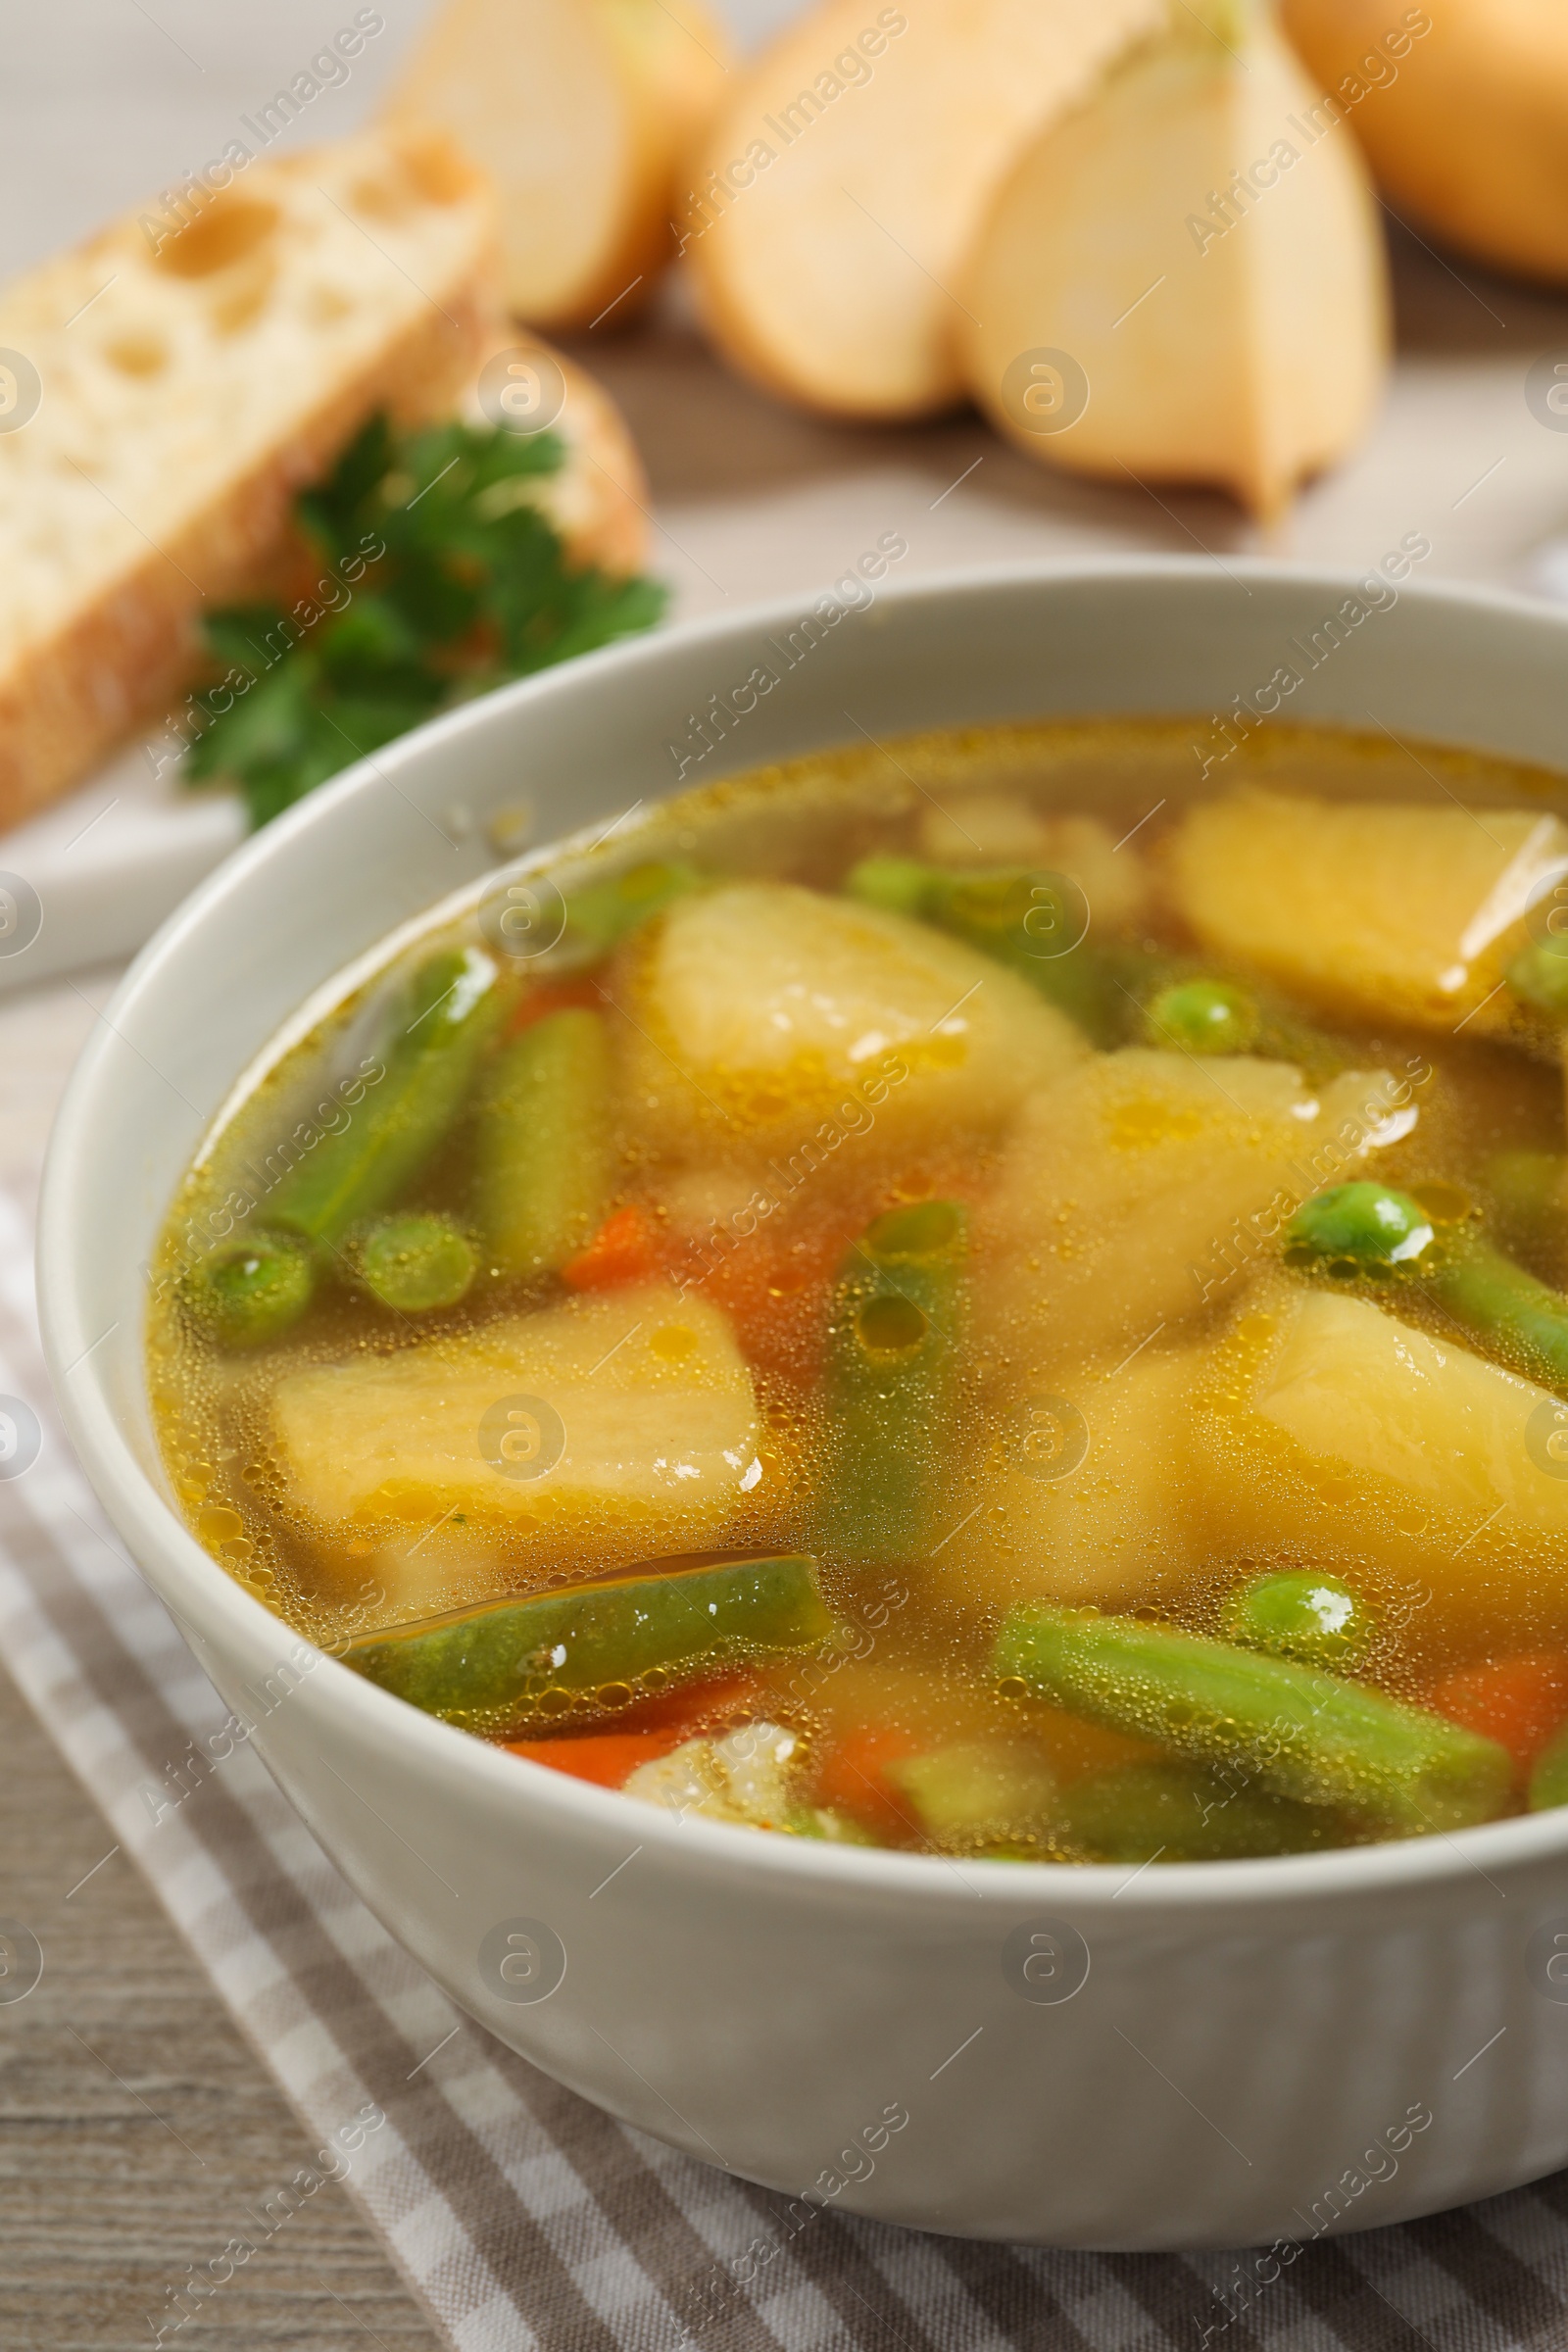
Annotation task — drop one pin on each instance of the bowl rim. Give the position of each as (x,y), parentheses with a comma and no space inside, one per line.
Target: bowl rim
(184,1570)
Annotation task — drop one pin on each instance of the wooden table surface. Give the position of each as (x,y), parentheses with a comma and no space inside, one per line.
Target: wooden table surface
(138,2131)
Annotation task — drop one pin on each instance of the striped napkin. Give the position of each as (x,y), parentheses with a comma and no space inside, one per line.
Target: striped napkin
(522,2216)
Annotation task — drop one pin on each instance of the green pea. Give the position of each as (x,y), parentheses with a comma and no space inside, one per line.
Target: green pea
(413,1263)
(1367,1228)
(1369,1224)
(1204,1016)
(250,1289)
(1315,1619)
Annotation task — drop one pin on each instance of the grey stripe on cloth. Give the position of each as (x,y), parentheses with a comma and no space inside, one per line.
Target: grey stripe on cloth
(522,2216)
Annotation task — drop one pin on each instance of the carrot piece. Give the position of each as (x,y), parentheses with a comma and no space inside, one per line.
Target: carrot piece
(851,1779)
(628,1248)
(775,1280)
(775,1287)
(699,1709)
(1518,1701)
(580,994)
(655,1728)
(607,1759)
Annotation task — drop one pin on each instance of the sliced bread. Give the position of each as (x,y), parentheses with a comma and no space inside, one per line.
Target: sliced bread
(184,380)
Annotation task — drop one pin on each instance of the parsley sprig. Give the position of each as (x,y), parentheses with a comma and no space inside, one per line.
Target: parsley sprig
(442,579)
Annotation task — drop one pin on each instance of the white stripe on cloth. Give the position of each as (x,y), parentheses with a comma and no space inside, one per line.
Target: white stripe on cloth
(521,2216)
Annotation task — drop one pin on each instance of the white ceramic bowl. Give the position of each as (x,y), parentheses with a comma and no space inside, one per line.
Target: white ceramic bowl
(1259,2050)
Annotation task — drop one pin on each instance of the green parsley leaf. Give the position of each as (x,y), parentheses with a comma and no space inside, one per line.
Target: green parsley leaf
(440,579)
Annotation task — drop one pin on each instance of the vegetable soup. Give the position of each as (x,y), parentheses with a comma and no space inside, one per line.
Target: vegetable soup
(1002,1297)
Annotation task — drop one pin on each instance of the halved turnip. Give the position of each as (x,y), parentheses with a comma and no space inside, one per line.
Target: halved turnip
(836,190)
(1184,280)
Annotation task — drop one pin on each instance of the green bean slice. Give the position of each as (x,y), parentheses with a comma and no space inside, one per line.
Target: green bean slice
(891,1388)
(441,1023)
(249,1290)
(413,1263)
(1290,1731)
(514,1665)
(1186,1813)
(542,1144)
(602,913)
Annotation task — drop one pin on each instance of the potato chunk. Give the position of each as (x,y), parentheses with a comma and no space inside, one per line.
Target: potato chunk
(637,1406)
(764,1011)
(1360,1440)
(1391,909)
(1090,1496)
(1124,1186)
(1314,1430)
(999,828)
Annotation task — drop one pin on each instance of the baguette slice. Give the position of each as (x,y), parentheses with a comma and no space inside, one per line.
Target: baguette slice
(190,383)
(837,190)
(580,108)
